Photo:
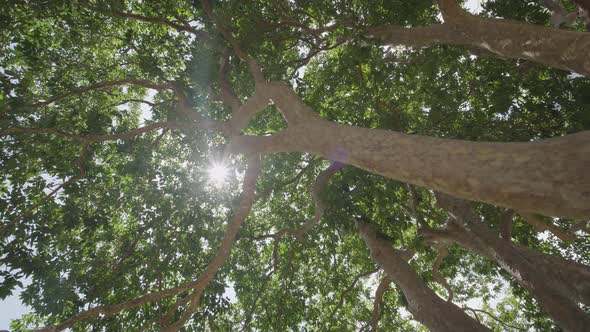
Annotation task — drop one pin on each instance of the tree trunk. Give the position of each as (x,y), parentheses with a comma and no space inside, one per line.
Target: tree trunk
(550,177)
(426,307)
(556,283)
(556,48)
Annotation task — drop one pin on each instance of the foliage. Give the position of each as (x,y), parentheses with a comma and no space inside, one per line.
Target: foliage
(138,215)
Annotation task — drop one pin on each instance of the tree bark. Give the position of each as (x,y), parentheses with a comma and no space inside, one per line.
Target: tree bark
(558,48)
(556,283)
(426,307)
(549,177)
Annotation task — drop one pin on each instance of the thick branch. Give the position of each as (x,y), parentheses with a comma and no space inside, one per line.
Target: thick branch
(525,176)
(558,284)
(423,302)
(558,48)
(451,10)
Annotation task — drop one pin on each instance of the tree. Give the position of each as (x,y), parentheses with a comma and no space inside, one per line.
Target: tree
(131,131)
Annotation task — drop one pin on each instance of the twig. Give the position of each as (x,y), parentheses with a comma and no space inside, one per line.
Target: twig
(475,311)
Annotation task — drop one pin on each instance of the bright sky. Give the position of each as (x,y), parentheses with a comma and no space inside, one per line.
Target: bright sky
(12,308)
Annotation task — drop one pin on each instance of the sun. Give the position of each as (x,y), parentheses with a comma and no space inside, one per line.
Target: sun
(218,174)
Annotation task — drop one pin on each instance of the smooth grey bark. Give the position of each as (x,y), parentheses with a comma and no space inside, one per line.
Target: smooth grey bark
(556,283)
(426,307)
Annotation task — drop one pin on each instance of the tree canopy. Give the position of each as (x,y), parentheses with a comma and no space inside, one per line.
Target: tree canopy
(307,165)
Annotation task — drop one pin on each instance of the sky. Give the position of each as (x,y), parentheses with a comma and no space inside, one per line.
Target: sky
(12,308)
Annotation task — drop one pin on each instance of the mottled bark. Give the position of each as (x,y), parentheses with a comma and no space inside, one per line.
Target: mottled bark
(556,283)
(426,307)
(557,48)
(549,177)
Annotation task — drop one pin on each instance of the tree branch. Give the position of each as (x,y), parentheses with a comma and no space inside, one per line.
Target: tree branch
(156,20)
(505,220)
(475,311)
(247,199)
(81,173)
(348,290)
(451,10)
(443,251)
(228,95)
(243,209)
(253,66)
(91,138)
(317,188)
(104,85)
(541,225)
(381,289)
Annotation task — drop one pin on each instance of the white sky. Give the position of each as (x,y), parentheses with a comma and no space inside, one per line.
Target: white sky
(12,308)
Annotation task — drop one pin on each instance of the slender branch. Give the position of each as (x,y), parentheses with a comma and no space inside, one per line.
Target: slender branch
(104,85)
(247,199)
(253,66)
(506,224)
(242,115)
(184,106)
(475,311)
(581,225)
(81,173)
(317,188)
(132,100)
(294,179)
(182,26)
(443,251)
(559,15)
(381,289)
(228,95)
(91,138)
(198,285)
(540,226)
(349,289)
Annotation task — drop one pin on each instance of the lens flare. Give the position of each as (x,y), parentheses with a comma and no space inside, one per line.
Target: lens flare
(218,174)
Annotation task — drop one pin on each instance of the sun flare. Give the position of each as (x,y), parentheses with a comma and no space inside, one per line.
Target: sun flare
(218,174)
